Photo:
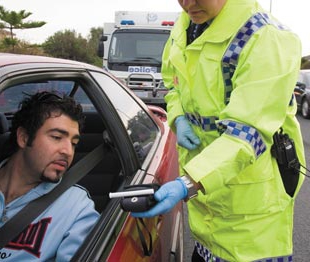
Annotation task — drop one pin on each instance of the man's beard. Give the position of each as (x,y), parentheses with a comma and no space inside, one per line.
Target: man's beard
(47,179)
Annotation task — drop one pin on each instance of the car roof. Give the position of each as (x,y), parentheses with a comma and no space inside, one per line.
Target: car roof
(7,59)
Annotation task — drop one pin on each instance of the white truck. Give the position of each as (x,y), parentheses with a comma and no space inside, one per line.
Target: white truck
(132,48)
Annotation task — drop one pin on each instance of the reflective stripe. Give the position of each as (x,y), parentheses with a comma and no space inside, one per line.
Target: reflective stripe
(209,257)
(206,254)
(230,58)
(207,123)
(276,259)
(244,132)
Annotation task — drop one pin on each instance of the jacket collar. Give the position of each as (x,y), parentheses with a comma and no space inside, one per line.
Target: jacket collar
(225,24)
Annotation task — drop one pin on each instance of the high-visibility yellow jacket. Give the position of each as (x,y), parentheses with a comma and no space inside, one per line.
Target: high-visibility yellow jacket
(244,213)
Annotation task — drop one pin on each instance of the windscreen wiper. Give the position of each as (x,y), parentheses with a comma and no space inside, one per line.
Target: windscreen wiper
(147,59)
(138,59)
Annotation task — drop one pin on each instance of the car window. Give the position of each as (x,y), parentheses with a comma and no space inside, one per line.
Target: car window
(11,97)
(139,125)
(107,175)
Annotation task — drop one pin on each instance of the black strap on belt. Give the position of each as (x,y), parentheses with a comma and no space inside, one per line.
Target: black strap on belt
(33,209)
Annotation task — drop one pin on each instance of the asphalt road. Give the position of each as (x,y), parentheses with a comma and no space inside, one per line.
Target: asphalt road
(302,206)
(302,211)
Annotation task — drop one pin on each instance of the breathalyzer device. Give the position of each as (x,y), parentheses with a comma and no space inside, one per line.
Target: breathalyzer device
(137,198)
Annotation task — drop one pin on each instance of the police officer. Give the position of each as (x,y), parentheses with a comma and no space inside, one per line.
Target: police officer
(231,69)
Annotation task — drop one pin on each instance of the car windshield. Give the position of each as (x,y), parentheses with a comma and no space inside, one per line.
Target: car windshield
(131,48)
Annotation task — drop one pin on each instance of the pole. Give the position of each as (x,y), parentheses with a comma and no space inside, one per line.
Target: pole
(270,7)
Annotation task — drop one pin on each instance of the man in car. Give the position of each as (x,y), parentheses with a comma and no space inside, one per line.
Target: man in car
(231,69)
(44,134)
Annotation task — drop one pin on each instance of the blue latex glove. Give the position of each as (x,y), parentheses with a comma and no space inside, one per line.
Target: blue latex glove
(167,196)
(185,134)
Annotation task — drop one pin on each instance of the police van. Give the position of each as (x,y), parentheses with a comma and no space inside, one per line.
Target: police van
(132,48)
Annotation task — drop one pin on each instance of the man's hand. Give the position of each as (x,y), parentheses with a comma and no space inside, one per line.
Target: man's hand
(185,134)
(167,197)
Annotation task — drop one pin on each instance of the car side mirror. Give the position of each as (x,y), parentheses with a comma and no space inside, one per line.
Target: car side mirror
(100,50)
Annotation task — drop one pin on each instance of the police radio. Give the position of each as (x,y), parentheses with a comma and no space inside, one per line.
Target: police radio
(283,149)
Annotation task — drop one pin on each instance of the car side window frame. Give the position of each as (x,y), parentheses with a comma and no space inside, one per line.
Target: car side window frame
(106,83)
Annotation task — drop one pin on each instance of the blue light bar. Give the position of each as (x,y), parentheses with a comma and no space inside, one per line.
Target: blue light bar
(127,22)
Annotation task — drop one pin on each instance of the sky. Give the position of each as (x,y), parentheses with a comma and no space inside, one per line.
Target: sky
(81,15)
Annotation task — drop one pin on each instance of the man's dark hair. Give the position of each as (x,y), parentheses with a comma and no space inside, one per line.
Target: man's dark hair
(35,109)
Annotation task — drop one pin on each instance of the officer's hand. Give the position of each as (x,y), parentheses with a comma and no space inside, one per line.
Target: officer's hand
(185,134)
(167,197)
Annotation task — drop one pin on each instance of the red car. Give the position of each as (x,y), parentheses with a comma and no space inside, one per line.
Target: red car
(140,150)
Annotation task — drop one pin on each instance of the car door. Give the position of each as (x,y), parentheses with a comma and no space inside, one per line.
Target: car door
(140,149)
(163,233)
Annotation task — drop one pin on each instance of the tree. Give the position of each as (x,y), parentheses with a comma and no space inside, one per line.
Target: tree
(69,45)
(15,20)
(93,42)
(305,62)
